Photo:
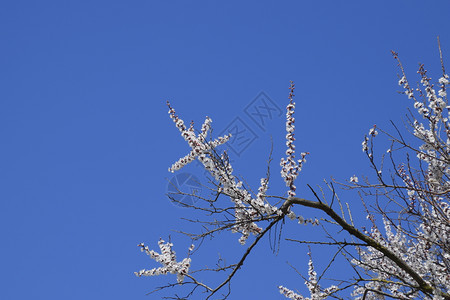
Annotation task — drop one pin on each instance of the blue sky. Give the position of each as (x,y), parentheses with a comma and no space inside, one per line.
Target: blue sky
(87,140)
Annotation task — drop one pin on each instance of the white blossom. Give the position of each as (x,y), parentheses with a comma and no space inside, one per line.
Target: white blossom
(316,292)
(168,259)
(373,132)
(289,167)
(444,80)
(248,209)
(365,146)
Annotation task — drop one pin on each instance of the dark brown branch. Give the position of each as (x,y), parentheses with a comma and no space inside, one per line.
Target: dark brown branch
(422,285)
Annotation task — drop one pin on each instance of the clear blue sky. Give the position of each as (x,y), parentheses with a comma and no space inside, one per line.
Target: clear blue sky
(86,140)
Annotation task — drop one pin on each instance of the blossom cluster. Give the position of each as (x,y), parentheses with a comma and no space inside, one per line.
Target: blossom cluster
(423,245)
(437,104)
(248,209)
(435,150)
(313,286)
(417,253)
(372,133)
(168,259)
(199,146)
(289,167)
(381,267)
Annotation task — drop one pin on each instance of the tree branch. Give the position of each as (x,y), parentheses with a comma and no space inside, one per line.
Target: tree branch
(422,285)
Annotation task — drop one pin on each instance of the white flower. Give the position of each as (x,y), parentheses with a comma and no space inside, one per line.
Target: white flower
(313,285)
(168,259)
(364,144)
(354,179)
(289,167)
(444,80)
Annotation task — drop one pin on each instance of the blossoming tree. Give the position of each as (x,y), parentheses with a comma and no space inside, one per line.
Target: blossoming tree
(406,255)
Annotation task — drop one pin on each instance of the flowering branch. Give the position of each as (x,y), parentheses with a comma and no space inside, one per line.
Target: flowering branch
(405,255)
(422,285)
(169,261)
(289,167)
(248,210)
(313,286)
